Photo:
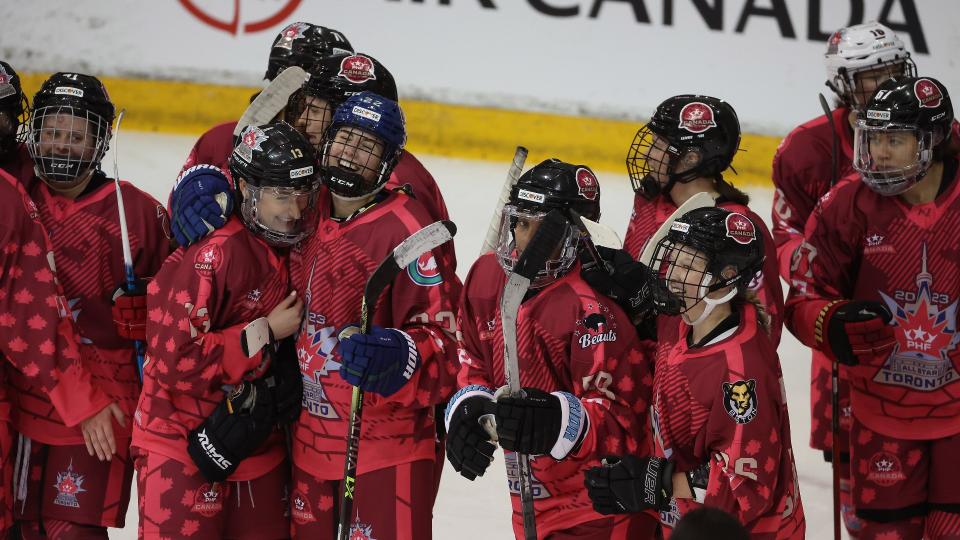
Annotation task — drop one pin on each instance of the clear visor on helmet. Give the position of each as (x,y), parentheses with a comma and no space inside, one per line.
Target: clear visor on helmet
(281,216)
(66,142)
(891,158)
(684,281)
(517,227)
(354,164)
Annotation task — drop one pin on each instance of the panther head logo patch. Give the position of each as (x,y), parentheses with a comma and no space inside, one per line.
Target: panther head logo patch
(740,400)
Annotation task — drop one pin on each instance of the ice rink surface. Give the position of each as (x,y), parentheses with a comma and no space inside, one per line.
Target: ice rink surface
(480,510)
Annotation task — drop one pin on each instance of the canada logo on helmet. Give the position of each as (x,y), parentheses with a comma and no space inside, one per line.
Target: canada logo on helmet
(696,117)
(587,184)
(6,87)
(357,69)
(253,137)
(928,93)
(833,45)
(740,228)
(291,32)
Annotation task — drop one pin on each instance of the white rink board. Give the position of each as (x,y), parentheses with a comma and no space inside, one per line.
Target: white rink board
(613,58)
(480,510)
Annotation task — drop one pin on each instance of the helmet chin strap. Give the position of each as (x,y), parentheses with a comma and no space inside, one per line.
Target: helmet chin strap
(711,303)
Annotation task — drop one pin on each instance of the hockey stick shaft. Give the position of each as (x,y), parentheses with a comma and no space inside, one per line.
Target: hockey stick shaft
(533,258)
(422,241)
(835,149)
(513,174)
(124,234)
(272,99)
(834,367)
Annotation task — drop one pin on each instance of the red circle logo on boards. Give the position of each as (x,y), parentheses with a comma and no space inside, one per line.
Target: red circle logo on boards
(231,22)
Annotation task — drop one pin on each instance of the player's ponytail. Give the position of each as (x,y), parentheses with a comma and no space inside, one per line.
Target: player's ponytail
(730,193)
(746,296)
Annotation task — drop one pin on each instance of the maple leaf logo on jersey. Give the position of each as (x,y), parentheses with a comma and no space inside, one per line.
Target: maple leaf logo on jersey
(740,228)
(290,33)
(925,334)
(357,69)
(928,94)
(587,184)
(696,117)
(68,485)
(208,259)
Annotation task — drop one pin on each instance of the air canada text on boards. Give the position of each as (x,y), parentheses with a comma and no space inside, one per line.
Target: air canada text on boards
(717,14)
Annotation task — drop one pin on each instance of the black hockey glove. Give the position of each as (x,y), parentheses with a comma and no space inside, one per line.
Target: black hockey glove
(469,449)
(624,280)
(628,484)
(540,423)
(233,431)
(858,331)
(287,381)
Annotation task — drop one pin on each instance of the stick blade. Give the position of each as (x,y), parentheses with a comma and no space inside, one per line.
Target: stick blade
(700,200)
(601,234)
(272,99)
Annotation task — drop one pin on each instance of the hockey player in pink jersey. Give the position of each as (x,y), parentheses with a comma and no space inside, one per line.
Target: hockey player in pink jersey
(685,149)
(73,486)
(876,289)
(360,224)
(587,382)
(719,412)
(222,370)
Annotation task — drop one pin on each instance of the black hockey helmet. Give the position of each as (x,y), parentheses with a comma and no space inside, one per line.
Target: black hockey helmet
(275,160)
(552,184)
(699,247)
(13,102)
(302,44)
(918,107)
(689,136)
(555,184)
(333,79)
(58,159)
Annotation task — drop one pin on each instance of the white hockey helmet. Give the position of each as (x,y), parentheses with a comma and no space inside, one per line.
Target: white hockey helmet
(863,47)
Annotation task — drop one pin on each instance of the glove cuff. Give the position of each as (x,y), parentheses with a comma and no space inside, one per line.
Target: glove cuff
(574,424)
(465,393)
(821,326)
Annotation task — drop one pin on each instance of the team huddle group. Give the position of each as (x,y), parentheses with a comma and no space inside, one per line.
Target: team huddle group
(651,385)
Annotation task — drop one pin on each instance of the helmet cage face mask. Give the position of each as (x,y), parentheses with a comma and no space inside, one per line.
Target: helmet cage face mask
(310,115)
(507,254)
(66,142)
(846,85)
(282,216)
(896,139)
(353,163)
(650,158)
(684,278)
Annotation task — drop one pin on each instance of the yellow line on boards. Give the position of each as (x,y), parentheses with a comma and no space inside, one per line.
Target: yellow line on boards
(443,129)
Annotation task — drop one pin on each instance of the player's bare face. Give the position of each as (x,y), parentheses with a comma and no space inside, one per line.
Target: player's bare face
(523,231)
(66,136)
(356,150)
(893,150)
(658,159)
(315,119)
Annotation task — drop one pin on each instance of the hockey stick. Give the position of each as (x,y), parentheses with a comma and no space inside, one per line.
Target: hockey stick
(420,242)
(834,365)
(700,200)
(493,230)
(600,234)
(124,235)
(531,261)
(272,99)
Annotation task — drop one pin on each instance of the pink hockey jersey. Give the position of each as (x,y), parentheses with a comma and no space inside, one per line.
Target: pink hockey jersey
(85,234)
(861,245)
(569,339)
(38,340)
(724,404)
(198,304)
(646,218)
(330,269)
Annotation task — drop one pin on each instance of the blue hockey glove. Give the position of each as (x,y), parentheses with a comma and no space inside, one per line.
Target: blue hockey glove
(381,361)
(201,202)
